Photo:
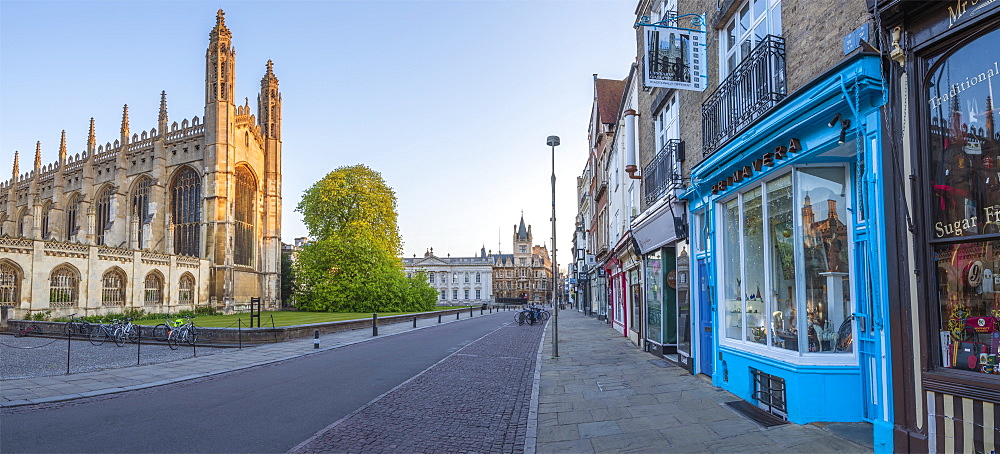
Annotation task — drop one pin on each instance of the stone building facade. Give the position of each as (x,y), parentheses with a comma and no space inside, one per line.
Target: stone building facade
(460,281)
(525,274)
(185,214)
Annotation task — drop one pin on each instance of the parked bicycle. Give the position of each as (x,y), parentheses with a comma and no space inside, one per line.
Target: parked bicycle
(77,326)
(101,333)
(186,333)
(162,331)
(127,331)
(531,315)
(31,329)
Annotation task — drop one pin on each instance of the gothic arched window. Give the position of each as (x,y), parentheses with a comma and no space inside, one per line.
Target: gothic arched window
(10,279)
(46,209)
(186,212)
(153,296)
(186,295)
(139,207)
(22,229)
(102,213)
(113,288)
(244,216)
(63,287)
(72,216)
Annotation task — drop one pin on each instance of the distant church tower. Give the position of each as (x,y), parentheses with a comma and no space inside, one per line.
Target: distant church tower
(183,215)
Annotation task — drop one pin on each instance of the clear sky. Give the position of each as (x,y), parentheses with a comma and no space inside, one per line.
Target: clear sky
(451,101)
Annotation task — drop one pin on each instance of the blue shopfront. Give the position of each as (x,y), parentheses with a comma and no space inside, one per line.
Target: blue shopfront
(789,244)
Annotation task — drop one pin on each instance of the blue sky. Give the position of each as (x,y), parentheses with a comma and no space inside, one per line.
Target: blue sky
(451,101)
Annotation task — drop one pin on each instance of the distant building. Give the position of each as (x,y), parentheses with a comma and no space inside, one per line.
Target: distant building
(460,281)
(525,274)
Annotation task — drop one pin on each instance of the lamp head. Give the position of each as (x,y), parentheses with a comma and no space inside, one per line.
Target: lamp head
(552,141)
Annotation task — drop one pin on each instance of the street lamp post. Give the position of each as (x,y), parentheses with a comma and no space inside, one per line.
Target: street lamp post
(553,141)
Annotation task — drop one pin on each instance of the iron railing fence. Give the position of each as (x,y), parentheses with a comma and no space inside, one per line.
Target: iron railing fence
(753,88)
(664,172)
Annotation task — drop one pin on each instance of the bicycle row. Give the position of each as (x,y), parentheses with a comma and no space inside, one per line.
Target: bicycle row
(172,332)
(531,315)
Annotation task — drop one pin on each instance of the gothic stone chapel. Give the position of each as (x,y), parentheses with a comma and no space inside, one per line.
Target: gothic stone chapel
(181,216)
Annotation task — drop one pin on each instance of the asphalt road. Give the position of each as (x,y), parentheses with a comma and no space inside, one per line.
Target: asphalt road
(264,409)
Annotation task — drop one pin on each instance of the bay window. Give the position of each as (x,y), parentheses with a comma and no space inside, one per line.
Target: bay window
(785,279)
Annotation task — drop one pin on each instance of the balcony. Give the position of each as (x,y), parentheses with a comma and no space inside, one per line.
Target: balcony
(664,172)
(753,88)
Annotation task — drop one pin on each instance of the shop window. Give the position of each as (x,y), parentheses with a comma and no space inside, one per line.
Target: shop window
(796,226)
(963,200)
(654,296)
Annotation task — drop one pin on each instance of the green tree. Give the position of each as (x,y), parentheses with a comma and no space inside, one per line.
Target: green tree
(287,279)
(352,262)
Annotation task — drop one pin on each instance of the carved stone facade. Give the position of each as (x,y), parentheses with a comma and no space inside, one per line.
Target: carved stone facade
(524,274)
(198,200)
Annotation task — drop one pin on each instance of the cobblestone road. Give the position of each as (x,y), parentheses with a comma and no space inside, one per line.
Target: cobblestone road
(476,400)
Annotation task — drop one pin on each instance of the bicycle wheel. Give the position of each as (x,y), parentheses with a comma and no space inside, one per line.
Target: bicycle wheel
(192,336)
(68,328)
(118,336)
(544,316)
(160,332)
(132,334)
(98,336)
(173,339)
(521,318)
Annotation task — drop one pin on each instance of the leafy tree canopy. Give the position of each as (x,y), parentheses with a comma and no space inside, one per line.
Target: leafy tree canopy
(352,262)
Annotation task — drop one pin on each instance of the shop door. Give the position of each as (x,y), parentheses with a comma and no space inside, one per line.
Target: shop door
(704,346)
(868,329)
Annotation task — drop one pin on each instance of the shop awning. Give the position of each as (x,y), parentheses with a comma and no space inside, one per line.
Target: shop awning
(657,229)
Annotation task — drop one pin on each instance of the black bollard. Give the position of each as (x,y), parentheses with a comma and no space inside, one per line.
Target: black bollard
(414,322)
(470,312)
(68,334)
(439,317)
(375,324)
(316,339)
(458,313)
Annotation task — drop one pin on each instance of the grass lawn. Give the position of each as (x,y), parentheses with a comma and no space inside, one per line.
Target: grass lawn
(281,318)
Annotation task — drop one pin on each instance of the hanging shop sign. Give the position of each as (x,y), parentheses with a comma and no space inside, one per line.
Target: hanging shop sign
(766,160)
(674,55)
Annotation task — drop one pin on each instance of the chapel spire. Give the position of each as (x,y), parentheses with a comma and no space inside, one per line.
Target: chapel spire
(38,156)
(162,119)
(125,129)
(91,139)
(220,63)
(16,171)
(62,148)
(269,104)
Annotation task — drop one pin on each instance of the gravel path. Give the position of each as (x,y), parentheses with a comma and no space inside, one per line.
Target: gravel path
(25,357)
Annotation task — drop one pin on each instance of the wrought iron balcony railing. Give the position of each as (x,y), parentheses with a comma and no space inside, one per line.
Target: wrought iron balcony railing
(664,172)
(756,85)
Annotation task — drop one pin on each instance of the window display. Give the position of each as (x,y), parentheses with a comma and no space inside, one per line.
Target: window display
(795,291)
(964,149)
(654,297)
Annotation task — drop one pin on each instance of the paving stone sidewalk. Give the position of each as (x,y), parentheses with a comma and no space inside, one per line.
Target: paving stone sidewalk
(477,400)
(55,388)
(603,394)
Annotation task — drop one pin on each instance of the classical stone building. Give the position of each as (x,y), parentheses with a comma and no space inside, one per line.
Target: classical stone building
(460,281)
(525,274)
(185,214)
